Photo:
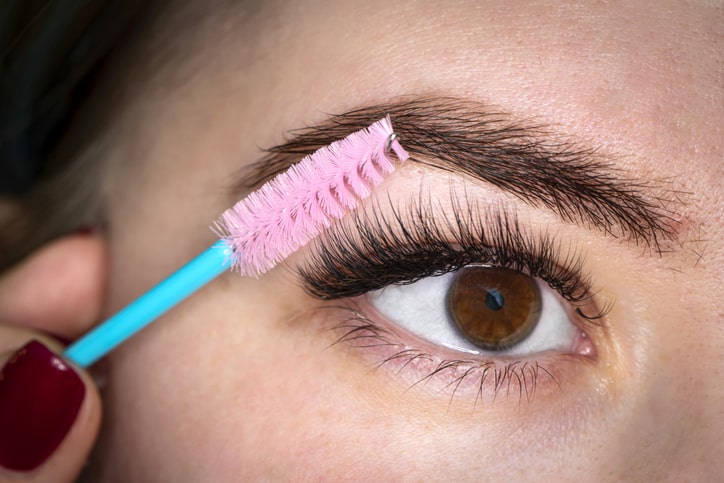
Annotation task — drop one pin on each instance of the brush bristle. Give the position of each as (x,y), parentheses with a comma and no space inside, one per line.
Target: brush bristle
(286,212)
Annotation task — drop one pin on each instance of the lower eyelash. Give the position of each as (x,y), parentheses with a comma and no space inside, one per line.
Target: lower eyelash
(484,378)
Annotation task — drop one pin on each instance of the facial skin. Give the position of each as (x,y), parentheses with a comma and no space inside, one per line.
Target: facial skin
(244,380)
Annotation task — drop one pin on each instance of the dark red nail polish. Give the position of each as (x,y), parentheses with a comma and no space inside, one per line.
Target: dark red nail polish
(40,396)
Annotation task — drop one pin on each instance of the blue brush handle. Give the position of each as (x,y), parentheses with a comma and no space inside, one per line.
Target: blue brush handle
(151,305)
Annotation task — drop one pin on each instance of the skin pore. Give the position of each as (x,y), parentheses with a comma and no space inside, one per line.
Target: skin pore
(255,379)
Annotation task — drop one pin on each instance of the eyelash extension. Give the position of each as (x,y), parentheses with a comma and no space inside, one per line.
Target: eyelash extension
(373,250)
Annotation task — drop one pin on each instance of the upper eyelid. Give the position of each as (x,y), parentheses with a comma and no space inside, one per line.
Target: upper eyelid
(373,241)
(464,137)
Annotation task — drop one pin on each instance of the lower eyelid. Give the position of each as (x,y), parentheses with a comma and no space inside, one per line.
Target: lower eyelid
(443,372)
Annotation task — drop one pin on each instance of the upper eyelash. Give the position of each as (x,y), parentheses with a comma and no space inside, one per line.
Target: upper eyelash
(374,249)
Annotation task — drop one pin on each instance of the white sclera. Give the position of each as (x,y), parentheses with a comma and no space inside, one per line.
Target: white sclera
(420,308)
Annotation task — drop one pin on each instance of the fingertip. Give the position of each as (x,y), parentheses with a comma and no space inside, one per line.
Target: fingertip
(59,289)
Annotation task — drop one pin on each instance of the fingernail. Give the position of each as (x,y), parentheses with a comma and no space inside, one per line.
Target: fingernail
(40,396)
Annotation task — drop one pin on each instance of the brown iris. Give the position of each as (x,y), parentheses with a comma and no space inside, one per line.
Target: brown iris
(495,308)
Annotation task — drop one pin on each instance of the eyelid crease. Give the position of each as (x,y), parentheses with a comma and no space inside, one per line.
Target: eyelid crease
(462,136)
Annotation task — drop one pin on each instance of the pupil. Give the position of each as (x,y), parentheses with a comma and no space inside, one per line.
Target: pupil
(494,300)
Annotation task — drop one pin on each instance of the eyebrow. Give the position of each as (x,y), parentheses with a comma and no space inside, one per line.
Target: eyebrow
(529,161)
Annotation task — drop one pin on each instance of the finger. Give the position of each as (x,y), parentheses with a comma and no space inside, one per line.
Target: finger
(59,289)
(49,415)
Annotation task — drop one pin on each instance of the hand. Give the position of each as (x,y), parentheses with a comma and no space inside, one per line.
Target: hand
(50,410)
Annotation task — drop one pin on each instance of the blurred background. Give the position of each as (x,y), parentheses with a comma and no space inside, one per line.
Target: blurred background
(50,54)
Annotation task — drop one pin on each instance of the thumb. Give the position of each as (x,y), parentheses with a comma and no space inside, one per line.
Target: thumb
(49,411)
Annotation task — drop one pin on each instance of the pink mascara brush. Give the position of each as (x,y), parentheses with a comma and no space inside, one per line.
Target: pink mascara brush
(263,229)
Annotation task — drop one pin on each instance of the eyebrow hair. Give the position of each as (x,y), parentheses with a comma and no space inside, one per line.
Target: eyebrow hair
(576,182)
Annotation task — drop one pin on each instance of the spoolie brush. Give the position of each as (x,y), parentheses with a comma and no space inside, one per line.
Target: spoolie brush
(264,228)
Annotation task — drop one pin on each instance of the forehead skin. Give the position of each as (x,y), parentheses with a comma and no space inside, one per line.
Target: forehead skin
(639,80)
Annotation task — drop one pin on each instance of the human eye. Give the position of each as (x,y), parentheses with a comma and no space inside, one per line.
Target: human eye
(483,310)
(472,300)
